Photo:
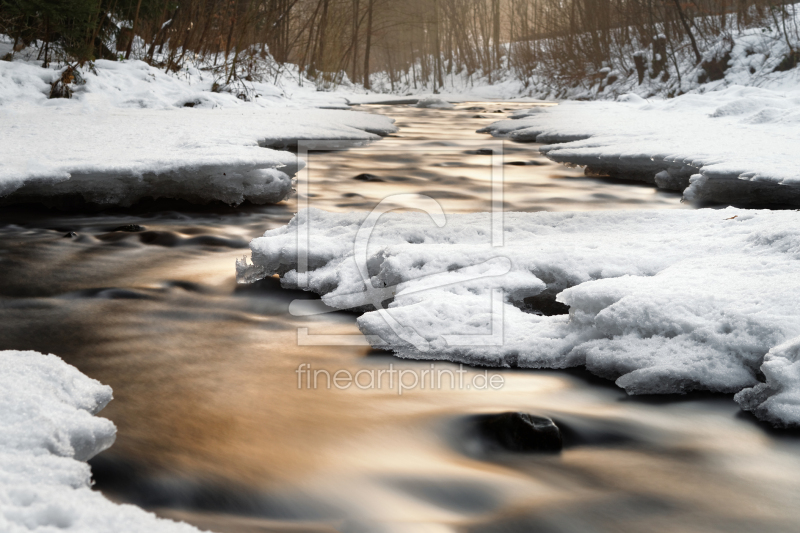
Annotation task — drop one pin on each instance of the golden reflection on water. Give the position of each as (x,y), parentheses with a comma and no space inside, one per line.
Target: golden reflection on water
(216,431)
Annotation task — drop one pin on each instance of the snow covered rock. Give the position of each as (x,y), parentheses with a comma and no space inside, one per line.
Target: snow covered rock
(660,301)
(735,145)
(434,103)
(127,134)
(47,432)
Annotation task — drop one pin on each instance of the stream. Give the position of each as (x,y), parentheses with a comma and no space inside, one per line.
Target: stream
(213,429)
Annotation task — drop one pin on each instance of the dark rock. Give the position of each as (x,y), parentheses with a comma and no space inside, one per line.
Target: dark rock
(714,69)
(519,432)
(475,108)
(160,238)
(367,177)
(130,228)
(478,116)
(544,304)
(498,111)
(526,163)
(113,294)
(790,61)
(70,235)
(480,151)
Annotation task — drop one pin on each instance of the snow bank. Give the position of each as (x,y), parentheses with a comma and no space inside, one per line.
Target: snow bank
(736,145)
(128,134)
(661,301)
(47,432)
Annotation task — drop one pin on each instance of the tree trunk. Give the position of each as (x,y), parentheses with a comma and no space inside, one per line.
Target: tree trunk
(46,41)
(370,4)
(688,31)
(133,31)
(153,44)
(437,51)
(496,32)
(319,59)
(355,41)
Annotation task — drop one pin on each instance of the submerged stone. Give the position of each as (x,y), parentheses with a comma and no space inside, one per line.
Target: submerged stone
(367,177)
(129,228)
(520,432)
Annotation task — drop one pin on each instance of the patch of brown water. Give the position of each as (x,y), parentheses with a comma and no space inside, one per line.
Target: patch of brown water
(213,428)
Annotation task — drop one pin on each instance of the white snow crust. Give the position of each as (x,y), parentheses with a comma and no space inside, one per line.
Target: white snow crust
(434,103)
(660,301)
(777,400)
(126,134)
(734,145)
(47,432)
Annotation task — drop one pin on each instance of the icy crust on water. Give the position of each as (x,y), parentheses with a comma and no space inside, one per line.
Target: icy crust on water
(660,301)
(126,135)
(47,432)
(734,145)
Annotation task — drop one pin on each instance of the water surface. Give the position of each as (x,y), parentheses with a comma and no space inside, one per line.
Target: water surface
(214,430)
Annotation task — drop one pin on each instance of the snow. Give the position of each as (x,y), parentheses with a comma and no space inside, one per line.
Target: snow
(48,429)
(126,135)
(434,103)
(734,145)
(660,301)
(745,56)
(777,400)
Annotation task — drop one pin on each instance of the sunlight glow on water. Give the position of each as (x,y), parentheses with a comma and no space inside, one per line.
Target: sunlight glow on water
(212,426)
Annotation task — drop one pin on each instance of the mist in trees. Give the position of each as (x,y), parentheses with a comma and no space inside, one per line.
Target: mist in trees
(412,43)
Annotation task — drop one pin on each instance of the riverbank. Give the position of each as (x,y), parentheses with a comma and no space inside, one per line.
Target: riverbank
(129,132)
(48,431)
(213,429)
(736,145)
(662,302)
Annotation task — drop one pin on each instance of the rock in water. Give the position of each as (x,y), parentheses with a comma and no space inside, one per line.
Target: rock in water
(520,432)
(131,228)
(367,177)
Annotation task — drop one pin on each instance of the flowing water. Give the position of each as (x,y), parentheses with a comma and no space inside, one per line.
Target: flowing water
(214,430)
